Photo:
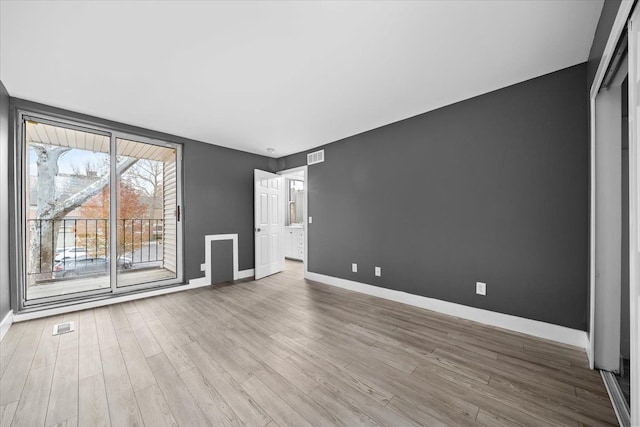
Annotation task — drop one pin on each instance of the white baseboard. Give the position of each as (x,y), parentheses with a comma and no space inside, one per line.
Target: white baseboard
(243,274)
(6,324)
(20,317)
(535,328)
(199,281)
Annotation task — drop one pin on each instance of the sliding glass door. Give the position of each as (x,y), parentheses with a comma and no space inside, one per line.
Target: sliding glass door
(67,232)
(147,213)
(101,212)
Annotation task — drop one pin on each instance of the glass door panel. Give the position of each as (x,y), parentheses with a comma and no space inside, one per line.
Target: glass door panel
(147,214)
(67,195)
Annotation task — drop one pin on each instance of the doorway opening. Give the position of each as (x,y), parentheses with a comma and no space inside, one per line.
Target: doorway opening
(295,244)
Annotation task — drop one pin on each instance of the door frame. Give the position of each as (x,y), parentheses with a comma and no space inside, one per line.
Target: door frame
(21,216)
(19,213)
(305,206)
(618,28)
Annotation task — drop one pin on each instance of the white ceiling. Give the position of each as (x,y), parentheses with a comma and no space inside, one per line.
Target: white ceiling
(286,75)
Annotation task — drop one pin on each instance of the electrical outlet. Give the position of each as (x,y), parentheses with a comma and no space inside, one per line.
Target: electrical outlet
(203,267)
(378,271)
(310,219)
(481,288)
(354,268)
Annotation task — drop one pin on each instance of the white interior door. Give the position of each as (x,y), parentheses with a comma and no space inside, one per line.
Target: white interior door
(634,210)
(268,223)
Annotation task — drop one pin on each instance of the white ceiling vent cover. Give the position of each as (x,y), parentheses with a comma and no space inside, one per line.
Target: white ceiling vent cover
(315,157)
(63,328)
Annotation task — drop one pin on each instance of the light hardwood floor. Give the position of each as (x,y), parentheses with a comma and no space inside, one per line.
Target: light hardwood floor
(282,351)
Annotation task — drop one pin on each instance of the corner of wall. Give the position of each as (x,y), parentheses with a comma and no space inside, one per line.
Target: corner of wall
(6,323)
(5,293)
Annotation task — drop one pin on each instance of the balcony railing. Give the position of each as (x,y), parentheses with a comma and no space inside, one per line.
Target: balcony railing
(54,243)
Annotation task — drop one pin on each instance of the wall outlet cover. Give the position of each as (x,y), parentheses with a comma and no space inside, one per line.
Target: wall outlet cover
(378,271)
(354,268)
(481,288)
(310,220)
(203,267)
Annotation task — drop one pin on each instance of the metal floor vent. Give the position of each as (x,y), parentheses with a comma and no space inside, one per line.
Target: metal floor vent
(63,328)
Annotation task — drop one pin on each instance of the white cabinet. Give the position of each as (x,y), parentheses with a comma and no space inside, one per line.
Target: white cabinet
(294,243)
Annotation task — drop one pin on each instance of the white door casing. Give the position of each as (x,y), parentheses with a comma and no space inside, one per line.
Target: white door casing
(268,223)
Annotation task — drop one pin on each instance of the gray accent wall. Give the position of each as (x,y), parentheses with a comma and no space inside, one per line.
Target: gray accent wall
(217,188)
(218,199)
(491,189)
(5,296)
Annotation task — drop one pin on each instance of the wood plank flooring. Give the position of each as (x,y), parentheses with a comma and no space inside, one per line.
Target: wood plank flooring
(281,351)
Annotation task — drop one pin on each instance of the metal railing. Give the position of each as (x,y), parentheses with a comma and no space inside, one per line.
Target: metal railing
(52,244)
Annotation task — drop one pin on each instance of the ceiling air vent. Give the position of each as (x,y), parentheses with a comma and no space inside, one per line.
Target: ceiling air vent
(315,157)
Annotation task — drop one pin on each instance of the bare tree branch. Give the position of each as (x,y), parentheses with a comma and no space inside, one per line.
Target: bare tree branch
(59,210)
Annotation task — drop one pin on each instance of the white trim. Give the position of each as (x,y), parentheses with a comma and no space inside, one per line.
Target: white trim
(624,11)
(244,274)
(535,328)
(592,237)
(20,317)
(207,253)
(6,324)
